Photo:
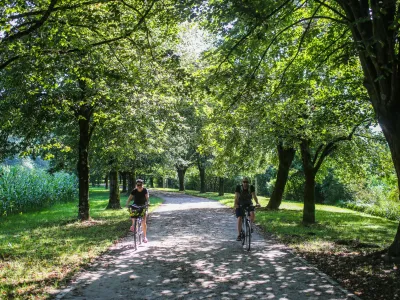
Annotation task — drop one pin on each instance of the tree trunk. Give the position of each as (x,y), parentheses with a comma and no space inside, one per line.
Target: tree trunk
(130,182)
(309,188)
(83,163)
(124,176)
(221,186)
(181,177)
(390,124)
(371,22)
(286,157)
(114,202)
(202,179)
(106,181)
(151,182)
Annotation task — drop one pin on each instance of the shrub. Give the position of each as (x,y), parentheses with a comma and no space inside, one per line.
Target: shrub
(378,200)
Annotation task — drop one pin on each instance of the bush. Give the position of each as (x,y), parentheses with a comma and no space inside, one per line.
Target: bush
(375,199)
(23,188)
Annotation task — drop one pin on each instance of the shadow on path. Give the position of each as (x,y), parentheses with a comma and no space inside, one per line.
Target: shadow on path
(193,254)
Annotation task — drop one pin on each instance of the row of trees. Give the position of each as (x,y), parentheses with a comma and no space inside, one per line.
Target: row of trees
(304,76)
(93,70)
(120,84)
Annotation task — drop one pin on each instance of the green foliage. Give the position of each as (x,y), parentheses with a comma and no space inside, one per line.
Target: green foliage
(376,198)
(23,189)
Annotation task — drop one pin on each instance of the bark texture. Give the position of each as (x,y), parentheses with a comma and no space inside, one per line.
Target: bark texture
(114,201)
(181,176)
(286,157)
(374,28)
(84,115)
(309,188)
(124,176)
(221,186)
(202,171)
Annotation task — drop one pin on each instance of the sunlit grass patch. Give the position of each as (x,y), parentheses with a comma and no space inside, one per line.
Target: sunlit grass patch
(41,250)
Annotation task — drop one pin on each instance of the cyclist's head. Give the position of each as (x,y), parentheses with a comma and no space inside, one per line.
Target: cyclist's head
(245,180)
(139,182)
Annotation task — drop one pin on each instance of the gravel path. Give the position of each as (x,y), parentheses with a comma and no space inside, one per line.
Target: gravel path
(192,254)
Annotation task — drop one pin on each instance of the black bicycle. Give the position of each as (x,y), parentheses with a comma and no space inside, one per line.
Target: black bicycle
(245,234)
(137,212)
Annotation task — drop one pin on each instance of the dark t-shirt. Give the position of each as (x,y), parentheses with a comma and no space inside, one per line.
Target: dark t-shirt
(245,195)
(139,198)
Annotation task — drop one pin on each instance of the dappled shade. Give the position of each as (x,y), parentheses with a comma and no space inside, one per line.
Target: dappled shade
(193,253)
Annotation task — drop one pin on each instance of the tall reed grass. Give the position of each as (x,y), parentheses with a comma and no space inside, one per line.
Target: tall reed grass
(23,189)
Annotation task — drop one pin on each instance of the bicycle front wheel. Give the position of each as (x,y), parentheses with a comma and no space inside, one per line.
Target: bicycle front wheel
(139,232)
(243,231)
(248,234)
(135,235)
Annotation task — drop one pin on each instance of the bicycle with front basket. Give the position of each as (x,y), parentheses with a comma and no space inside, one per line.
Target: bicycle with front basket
(137,212)
(245,234)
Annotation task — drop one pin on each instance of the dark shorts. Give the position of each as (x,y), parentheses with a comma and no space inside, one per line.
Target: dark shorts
(240,211)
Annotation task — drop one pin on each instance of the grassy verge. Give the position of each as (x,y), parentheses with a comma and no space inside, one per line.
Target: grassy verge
(41,250)
(346,244)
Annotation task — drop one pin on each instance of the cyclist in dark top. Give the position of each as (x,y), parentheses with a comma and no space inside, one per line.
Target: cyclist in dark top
(140,197)
(243,195)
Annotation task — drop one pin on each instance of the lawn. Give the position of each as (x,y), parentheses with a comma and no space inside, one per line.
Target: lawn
(41,250)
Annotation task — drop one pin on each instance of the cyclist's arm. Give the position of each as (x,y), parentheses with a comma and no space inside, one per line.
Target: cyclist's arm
(147,198)
(236,199)
(255,198)
(129,200)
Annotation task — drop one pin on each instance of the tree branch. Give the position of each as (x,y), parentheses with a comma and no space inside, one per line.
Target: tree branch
(333,9)
(250,32)
(38,24)
(60,8)
(332,145)
(126,35)
(9,61)
(236,46)
(317,153)
(299,47)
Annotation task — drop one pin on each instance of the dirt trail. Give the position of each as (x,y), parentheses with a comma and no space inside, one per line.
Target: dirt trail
(192,254)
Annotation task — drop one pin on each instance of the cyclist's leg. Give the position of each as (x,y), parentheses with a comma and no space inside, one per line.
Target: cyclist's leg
(133,224)
(239,220)
(252,216)
(239,224)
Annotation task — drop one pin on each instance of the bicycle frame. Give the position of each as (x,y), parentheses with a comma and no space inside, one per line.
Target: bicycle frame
(137,232)
(246,228)
(137,227)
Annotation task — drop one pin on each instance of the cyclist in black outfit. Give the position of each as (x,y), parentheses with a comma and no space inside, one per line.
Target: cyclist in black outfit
(243,195)
(140,197)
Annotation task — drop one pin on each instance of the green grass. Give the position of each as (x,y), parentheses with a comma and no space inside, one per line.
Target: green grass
(333,224)
(40,250)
